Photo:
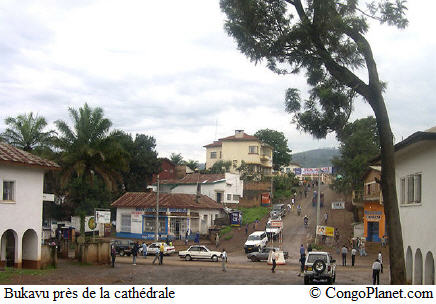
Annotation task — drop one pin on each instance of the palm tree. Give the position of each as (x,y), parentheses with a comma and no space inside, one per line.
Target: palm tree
(26,132)
(89,155)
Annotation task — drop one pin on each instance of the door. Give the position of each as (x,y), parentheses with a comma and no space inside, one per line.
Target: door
(373,229)
(177,232)
(219,197)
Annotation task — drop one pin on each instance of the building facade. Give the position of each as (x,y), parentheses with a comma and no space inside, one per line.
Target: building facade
(226,188)
(21,189)
(178,213)
(241,148)
(415,171)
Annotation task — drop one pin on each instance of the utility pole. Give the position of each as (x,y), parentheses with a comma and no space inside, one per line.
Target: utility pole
(157,210)
(318,204)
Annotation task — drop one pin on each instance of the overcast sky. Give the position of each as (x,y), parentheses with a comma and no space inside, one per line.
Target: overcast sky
(168,69)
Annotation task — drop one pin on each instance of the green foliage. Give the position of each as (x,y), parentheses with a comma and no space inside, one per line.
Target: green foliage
(277,140)
(228,236)
(248,173)
(225,230)
(219,167)
(176,159)
(359,145)
(324,38)
(9,273)
(249,215)
(284,186)
(192,164)
(26,132)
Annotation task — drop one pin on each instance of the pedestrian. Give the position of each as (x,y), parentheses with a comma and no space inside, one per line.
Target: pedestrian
(326,216)
(309,248)
(246,229)
(113,255)
(376,267)
(161,253)
(302,262)
(186,237)
(144,250)
(274,258)
(383,241)
(353,256)
(380,259)
(135,252)
(344,252)
(302,250)
(156,256)
(305,193)
(224,259)
(217,240)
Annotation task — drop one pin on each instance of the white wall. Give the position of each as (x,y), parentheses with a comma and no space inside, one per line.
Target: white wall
(26,212)
(418,221)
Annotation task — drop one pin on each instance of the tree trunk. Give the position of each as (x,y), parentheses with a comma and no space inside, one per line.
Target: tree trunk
(396,249)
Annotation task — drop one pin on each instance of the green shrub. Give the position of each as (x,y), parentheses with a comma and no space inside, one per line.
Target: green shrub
(225,230)
(228,236)
(249,215)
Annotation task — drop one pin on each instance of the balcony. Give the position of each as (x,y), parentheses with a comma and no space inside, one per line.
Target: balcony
(265,157)
(360,197)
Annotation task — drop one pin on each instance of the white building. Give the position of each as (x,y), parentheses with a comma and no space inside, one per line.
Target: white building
(415,169)
(223,188)
(178,213)
(21,189)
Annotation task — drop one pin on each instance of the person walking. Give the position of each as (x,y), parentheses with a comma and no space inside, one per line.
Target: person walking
(302,250)
(135,252)
(376,267)
(246,229)
(113,255)
(161,253)
(326,216)
(380,259)
(144,250)
(274,258)
(302,262)
(156,257)
(344,252)
(186,237)
(224,259)
(353,256)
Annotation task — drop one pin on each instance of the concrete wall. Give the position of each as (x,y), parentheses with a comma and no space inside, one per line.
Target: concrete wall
(418,220)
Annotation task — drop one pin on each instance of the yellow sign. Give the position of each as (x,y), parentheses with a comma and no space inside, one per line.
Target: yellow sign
(325,230)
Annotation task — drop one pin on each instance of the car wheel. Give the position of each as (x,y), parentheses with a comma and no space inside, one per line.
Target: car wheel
(319,266)
(122,253)
(253,259)
(215,258)
(329,281)
(188,257)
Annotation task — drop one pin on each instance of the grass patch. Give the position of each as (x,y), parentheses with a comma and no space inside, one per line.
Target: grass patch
(225,230)
(249,215)
(10,272)
(228,236)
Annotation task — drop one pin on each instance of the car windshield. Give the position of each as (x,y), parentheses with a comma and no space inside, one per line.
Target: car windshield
(277,207)
(313,257)
(253,238)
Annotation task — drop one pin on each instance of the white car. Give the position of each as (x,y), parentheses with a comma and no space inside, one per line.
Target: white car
(199,252)
(153,248)
(319,266)
(256,241)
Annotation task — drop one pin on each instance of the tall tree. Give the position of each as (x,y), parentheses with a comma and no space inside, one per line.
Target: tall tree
(26,132)
(176,159)
(326,38)
(90,158)
(143,161)
(359,144)
(277,140)
(192,164)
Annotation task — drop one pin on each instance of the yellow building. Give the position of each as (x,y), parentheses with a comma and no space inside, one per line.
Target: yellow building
(238,148)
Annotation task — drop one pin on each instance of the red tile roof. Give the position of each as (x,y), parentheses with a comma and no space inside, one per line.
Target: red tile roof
(166,200)
(14,156)
(196,178)
(244,137)
(214,144)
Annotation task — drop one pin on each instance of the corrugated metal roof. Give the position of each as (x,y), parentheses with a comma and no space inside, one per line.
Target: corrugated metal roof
(14,156)
(196,178)
(166,200)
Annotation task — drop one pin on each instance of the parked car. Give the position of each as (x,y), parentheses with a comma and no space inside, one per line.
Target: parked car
(256,241)
(123,247)
(319,266)
(264,254)
(155,247)
(199,252)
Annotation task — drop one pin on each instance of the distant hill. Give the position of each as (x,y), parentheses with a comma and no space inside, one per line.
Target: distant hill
(315,158)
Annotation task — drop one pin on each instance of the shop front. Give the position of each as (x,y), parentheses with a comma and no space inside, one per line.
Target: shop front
(374,222)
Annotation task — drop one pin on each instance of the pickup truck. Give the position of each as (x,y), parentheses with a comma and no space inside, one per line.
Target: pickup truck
(123,247)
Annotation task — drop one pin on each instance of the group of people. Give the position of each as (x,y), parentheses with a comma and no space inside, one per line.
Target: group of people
(135,250)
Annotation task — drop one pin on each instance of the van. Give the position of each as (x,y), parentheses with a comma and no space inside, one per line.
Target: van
(256,241)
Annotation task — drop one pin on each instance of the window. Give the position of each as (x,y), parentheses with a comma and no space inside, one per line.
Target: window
(212,154)
(8,191)
(403,190)
(125,222)
(414,188)
(236,197)
(150,224)
(229,197)
(253,150)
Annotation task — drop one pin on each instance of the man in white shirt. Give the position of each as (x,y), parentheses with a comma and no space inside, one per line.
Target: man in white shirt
(376,267)
(344,252)
(353,256)
(224,259)
(380,259)
(274,258)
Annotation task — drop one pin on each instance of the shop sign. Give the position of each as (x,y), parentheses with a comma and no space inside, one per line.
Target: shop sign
(325,230)
(338,205)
